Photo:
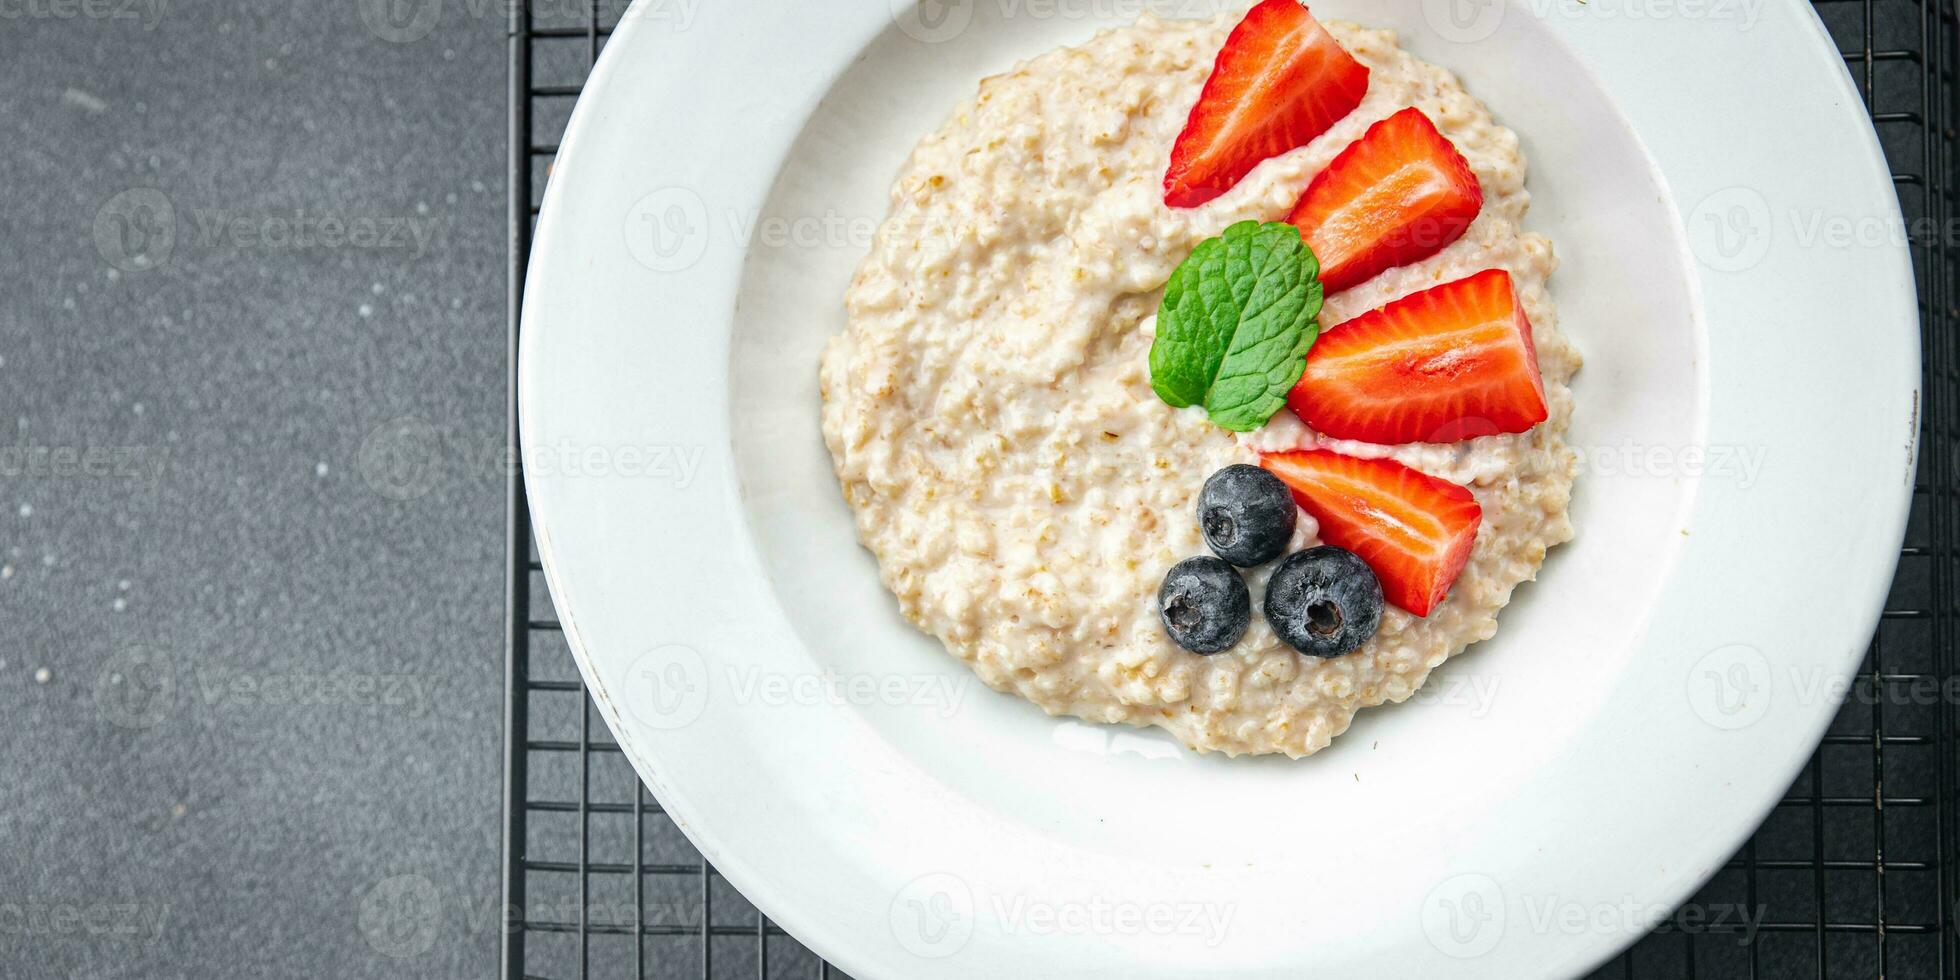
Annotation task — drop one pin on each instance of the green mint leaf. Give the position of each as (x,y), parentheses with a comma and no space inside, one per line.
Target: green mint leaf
(1237,318)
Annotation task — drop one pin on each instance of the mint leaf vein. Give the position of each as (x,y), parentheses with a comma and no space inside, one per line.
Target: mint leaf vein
(1235,324)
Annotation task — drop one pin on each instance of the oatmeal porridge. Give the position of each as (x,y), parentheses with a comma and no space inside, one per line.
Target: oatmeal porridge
(991,416)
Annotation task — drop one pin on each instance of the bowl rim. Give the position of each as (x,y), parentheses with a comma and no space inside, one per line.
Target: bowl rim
(592,177)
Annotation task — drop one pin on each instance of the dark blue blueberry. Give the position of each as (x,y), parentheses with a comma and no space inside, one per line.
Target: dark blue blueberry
(1324,601)
(1247,515)
(1204,604)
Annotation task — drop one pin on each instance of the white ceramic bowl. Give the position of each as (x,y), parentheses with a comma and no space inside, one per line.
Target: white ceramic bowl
(1732,270)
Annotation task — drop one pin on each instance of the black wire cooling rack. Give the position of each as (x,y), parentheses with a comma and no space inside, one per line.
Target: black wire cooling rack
(1854,875)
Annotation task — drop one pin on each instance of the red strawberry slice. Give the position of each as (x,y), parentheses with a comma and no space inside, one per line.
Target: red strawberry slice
(1279,81)
(1398,195)
(1413,529)
(1444,365)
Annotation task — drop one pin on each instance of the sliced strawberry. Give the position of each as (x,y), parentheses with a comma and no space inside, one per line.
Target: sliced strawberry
(1398,195)
(1444,365)
(1413,529)
(1279,81)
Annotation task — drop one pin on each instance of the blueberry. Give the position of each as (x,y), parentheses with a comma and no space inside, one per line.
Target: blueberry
(1204,605)
(1324,601)
(1247,515)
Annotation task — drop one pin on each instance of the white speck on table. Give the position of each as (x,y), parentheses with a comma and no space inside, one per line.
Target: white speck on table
(88,102)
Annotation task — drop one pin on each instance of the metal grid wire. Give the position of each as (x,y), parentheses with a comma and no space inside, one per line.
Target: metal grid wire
(1853,874)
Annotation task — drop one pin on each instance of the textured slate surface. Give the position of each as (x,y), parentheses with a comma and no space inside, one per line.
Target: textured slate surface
(252,331)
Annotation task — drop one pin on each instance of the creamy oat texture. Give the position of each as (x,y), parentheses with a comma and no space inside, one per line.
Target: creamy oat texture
(990,414)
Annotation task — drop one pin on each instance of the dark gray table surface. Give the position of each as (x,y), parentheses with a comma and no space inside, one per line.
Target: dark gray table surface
(251,516)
